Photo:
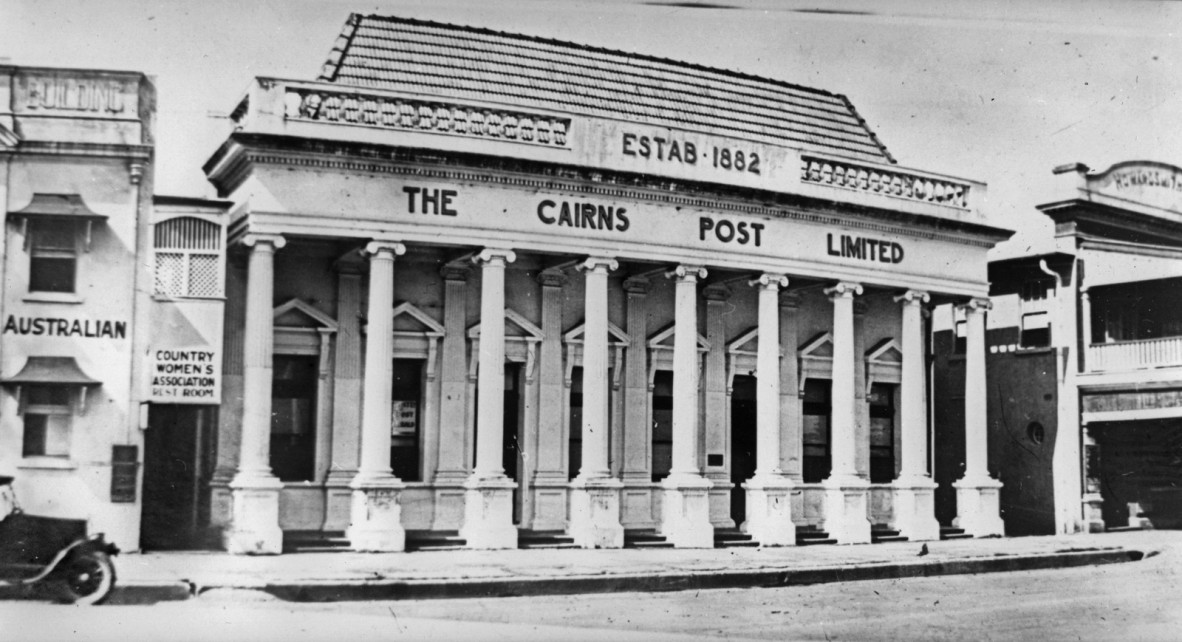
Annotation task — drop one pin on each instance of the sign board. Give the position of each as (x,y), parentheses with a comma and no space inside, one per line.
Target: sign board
(124,466)
(404,418)
(1148,183)
(185,375)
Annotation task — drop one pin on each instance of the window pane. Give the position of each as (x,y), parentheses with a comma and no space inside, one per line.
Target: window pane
(34,441)
(51,274)
(48,396)
(170,273)
(53,235)
(57,435)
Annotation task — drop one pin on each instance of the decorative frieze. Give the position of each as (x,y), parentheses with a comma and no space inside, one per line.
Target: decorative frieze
(862,178)
(387,112)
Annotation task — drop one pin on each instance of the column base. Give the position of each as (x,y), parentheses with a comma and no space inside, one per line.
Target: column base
(769,510)
(488,513)
(375,518)
(1093,513)
(595,513)
(254,516)
(846,509)
(977,507)
(685,511)
(914,506)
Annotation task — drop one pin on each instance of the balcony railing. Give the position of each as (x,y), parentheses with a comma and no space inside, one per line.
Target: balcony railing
(1135,355)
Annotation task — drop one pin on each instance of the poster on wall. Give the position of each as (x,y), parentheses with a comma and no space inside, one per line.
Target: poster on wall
(404,418)
(185,375)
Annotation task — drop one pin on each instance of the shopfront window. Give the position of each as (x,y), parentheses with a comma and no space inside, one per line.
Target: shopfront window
(662,424)
(882,433)
(817,412)
(293,417)
(407,418)
(46,422)
(53,255)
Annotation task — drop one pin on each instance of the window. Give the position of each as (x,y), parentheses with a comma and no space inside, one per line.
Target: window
(1037,289)
(293,417)
(406,422)
(662,424)
(188,258)
(882,433)
(1036,330)
(817,411)
(47,422)
(53,255)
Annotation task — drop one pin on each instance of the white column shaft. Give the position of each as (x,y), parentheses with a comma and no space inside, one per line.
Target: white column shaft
(490,410)
(685,373)
(767,364)
(595,361)
(843,397)
(379,349)
(975,398)
(255,453)
(913,400)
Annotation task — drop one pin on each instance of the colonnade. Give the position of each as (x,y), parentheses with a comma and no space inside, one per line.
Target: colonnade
(595,493)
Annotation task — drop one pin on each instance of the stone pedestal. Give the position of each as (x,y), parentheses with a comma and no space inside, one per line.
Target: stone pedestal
(846,509)
(769,510)
(595,513)
(977,509)
(254,522)
(685,511)
(1093,513)
(376,512)
(914,507)
(488,513)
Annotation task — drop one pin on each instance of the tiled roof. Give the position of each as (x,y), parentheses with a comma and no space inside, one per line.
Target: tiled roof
(400,54)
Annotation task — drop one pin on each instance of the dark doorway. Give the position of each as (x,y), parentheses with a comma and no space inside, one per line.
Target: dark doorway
(406,419)
(178,461)
(743,439)
(511,433)
(1140,469)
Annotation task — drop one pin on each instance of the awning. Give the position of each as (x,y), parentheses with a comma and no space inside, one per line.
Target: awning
(60,371)
(58,205)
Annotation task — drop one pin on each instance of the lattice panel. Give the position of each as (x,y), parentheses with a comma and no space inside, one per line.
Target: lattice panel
(170,273)
(204,275)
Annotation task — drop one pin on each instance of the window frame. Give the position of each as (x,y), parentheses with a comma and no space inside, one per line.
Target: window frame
(34,229)
(47,410)
(188,250)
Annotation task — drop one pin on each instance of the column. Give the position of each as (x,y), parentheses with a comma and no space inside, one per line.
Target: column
(846,494)
(254,522)
(595,495)
(769,491)
(913,501)
(685,519)
(550,484)
(376,516)
(454,440)
(347,374)
(1093,500)
(488,501)
(1085,312)
(977,510)
(637,500)
(714,439)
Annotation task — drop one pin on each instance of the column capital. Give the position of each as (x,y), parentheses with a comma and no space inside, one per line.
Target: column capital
(913,297)
(495,255)
(976,305)
(276,241)
(599,264)
(716,292)
(552,278)
(636,285)
(790,300)
(770,281)
(844,289)
(687,272)
(374,248)
(455,271)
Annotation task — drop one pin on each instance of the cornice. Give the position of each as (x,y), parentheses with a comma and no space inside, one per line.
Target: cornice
(93,150)
(233,160)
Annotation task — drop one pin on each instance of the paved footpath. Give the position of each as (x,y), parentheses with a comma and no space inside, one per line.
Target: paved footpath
(444,574)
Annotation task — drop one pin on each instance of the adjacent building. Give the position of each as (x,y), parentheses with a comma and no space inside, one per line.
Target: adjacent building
(497,287)
(1085,358)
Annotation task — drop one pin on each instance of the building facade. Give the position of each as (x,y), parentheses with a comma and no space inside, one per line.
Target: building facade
(76,153)
(499,286)
(1084,364)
